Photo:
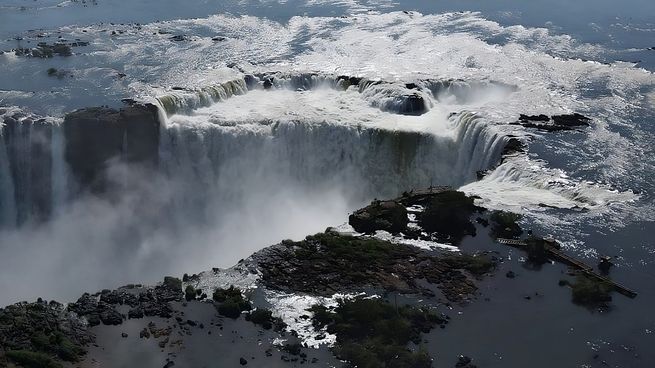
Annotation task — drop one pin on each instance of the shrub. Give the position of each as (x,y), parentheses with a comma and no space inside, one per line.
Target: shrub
(590,292)
(373,333)
(232,302)
(189,293)
(504,224)
(31,359)
(173,283)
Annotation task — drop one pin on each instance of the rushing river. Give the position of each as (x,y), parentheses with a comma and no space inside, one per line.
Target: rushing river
(263,137)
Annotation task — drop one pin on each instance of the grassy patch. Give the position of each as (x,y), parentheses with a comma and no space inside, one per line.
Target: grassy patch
(374,333)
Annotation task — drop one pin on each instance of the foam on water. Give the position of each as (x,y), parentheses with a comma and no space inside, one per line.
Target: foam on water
(346,145)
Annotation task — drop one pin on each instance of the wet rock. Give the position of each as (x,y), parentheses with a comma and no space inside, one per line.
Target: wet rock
(510,274)
(571,120)
(251,81)
(109,316)
(323,264)
(144,334)
(135,313)
(448,216)
(178,38)
(555,123)
(464,362)
(347,81)
(389,216)
(513,146)
(41,330)
(243,361)
(540,117)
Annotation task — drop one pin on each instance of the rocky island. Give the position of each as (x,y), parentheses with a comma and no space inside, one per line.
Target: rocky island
(362,294)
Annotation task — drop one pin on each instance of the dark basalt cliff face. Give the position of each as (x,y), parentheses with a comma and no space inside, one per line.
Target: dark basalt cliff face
(97,136)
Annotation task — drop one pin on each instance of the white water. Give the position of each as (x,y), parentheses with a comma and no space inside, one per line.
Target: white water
(243,169)
(33,174)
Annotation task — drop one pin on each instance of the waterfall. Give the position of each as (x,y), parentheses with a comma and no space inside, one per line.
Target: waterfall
(213,163)
(186,100)
(364,162)
(60,180)
(32,168)
(7,192)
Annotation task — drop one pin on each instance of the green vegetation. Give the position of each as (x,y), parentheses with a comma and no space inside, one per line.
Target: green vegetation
(293,349)
(374,333)
(477,265)
(173,283)
(329,262)
(504,225)
(264,317)
(591,292)
(58,344)
(232,302)
(350,248)
(189,293)
(32,359)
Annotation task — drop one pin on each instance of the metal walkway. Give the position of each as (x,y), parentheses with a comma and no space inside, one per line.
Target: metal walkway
(558,255)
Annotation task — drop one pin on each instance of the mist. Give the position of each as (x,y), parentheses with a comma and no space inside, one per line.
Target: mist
(141,232)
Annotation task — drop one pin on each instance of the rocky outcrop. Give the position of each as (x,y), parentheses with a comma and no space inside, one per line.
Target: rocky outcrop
(389,216)
(42,332)
(448,216)
(324,264)
(96,137)
(44,50)
(554,123)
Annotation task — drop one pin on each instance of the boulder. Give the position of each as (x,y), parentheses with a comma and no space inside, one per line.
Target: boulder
(413,104)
